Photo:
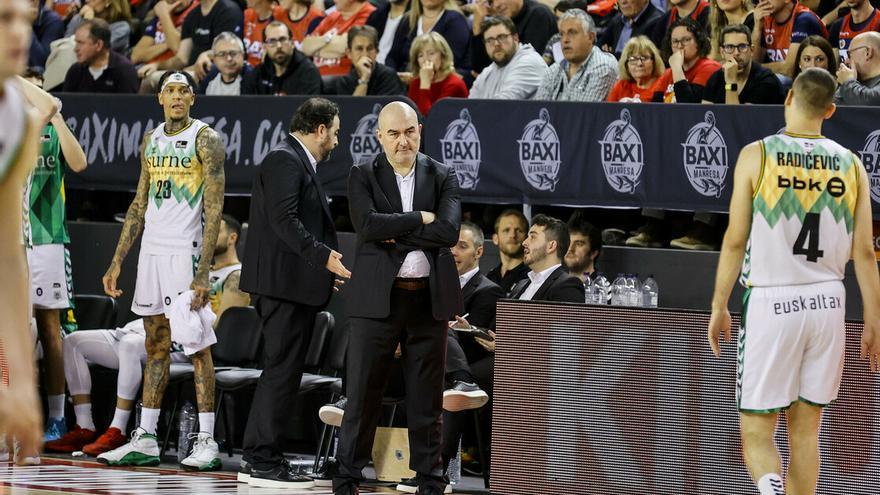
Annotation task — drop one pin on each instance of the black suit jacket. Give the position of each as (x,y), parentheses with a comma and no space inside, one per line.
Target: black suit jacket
(643,26)
(377,214)
(290,231)
(480,296)
(559,286)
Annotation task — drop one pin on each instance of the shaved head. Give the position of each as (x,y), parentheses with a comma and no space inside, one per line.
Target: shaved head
(871,38)
(400,134)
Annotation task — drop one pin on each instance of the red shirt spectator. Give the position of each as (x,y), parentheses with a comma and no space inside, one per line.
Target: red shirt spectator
(154,35)
(300,24)
(451,87)
(431,62)
(332,31)
(862,17)
(698,74)
(777,37)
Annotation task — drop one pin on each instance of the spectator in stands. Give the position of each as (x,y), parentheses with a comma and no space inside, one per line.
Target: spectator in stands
(117,14)
(860,83)
(431,62)
(724,13)
(686,47)
(439,16)
(511,227)
(98,69)
(328,42)
(64,8)
(544,247)
(740,79)
(640,67)
(815,51)
(285,70)
(862,18)
(535,24)
(367,76)
(585,248)
(161,39)
(230,69)
(553,50)
(200,27)
(784,24)
(47,27)
(636,18)
(587,73)
(516,69)
(386,19)
(301,18)
(695,10)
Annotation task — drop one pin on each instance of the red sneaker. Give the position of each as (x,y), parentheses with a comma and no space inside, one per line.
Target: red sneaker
(72,441)
(111,439)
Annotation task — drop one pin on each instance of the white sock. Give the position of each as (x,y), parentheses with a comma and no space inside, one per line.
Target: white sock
(120,419)
(56,406)
(150,420)
(84,416)
(206,423)
(771,484)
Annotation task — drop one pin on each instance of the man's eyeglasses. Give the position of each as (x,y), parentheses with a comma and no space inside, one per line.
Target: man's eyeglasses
(497,40)
(231,54)
(853,50)
(638,60)
(742,48)
(682,41)
(276,41)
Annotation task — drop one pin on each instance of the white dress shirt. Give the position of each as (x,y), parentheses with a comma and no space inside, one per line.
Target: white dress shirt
(312,159)
(416,263)
(538,279)
(464,279)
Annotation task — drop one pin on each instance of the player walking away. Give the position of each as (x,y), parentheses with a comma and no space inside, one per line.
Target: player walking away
(800,208)
(48,258)
(19,408)
(178,203)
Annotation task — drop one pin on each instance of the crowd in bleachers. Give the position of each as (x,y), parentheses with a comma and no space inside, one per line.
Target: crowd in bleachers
(718,51)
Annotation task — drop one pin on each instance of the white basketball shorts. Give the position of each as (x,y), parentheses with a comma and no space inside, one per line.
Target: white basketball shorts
(160,279)
(51,277)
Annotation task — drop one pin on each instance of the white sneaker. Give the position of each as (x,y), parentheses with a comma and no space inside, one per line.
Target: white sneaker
(205,454)
(141,450)
(21,459)
(4,448)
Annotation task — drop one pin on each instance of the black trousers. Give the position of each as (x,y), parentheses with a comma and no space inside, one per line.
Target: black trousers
(368,363)
(287,330)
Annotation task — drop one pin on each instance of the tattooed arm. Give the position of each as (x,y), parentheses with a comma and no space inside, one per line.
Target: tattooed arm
(134,222)
(212,155)
(232,296)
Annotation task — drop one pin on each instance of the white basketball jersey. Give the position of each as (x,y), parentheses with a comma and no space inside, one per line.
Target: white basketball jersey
(173,222)
(802,212)
(14,118)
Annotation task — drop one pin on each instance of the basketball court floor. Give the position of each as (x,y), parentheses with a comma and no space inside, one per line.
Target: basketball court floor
(70,476)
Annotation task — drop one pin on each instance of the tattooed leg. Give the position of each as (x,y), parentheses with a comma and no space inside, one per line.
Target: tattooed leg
(203,366)
(158,345)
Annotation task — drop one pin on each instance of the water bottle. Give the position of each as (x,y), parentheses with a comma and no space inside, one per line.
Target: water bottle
(588,284)
(650,292)
(188,418)
(634,289)
(453,471)
(603,289)
(618,291)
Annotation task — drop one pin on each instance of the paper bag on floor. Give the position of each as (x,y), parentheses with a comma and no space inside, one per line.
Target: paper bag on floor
(391,454)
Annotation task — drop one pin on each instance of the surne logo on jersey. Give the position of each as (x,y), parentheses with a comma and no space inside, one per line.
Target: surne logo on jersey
(705,157)
(539,153)
(460,147)
(870,156)
(622,154)
(365,145)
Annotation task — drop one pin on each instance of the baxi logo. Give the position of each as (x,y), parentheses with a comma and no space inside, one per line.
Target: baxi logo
(870,156)
(364,144)
(460,148)
(705,157)
(622,154)
(539,153)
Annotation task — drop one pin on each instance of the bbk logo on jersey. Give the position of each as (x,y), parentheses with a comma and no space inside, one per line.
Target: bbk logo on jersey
(460,148)
(870,156)
(622,154)
(705,157)
(364,144)
(539,153)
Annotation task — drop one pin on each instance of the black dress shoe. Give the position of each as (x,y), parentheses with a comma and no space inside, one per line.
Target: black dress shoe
(279,476)
(348,489)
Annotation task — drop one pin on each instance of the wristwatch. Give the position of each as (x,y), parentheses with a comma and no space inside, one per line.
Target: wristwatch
(363,81)
(731,87)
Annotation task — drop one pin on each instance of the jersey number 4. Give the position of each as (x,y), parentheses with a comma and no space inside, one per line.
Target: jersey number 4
(163,189)
(807,242)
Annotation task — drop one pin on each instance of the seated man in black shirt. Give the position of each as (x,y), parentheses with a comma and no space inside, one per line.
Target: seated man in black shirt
(740,79)
(368,77)
(511,227)
(285,70)
(98,69)
(535,24)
